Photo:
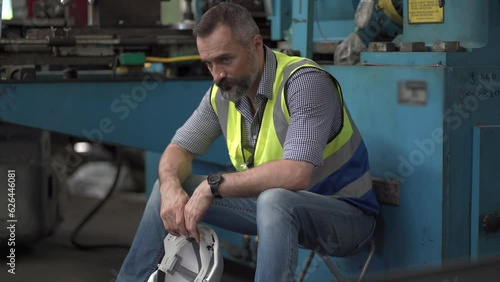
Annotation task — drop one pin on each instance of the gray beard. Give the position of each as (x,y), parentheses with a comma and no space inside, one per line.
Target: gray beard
(234,95)
(241,87)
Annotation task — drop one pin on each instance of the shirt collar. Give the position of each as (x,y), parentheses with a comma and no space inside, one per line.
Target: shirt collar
(268,74)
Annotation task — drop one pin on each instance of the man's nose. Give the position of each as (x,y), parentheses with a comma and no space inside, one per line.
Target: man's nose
(218,74)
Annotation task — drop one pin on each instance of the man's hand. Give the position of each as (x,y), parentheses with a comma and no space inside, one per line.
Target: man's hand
(196,208)
(173,202)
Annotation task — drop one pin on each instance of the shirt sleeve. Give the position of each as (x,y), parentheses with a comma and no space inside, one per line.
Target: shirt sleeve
(200,130)
(315,115)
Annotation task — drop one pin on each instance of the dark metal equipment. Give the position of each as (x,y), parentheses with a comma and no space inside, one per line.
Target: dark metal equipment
(114,13)
(115,29)
(31,206)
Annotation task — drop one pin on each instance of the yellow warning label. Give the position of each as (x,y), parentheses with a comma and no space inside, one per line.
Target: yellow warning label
(425,11)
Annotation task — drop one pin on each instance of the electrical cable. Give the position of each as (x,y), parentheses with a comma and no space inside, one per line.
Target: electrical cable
(97,208)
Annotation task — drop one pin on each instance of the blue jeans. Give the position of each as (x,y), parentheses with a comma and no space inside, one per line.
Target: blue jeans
(282,219)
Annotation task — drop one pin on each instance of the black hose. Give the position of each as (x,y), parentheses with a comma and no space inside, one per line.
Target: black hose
(97,208)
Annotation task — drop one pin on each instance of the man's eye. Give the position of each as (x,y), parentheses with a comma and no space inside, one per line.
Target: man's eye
(225,61)
(209,65)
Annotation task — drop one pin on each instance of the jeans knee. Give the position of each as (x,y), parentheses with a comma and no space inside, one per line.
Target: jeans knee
(274,196)
(273,201)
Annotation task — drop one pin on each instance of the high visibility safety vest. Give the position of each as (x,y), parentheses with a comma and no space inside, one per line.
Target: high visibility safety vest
(345,172)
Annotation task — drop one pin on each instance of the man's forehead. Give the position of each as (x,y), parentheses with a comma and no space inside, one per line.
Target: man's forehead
(220,32)
(211,54)
(216,45)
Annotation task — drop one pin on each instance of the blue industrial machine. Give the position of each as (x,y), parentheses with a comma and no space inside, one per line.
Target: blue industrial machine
(428,111)
(421,79)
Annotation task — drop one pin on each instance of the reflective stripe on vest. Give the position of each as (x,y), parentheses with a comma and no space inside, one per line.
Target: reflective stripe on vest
(269,146)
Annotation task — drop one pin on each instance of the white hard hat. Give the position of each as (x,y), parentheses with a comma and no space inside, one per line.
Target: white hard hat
(186,260)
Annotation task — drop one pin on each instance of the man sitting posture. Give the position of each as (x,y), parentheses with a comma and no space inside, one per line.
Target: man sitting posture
(302,174)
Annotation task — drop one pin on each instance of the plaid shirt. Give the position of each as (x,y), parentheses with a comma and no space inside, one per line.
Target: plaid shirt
(313,103)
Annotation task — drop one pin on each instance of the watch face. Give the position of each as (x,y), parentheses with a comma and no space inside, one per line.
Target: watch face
(214,178)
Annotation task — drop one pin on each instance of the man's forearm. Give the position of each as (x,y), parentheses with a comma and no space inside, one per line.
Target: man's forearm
(175,165)
(287,174)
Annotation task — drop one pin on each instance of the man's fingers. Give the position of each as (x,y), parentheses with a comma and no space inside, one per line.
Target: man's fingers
(166,223)
(192,227)
(194,233)
(181,227)
(169,224)
(172,228)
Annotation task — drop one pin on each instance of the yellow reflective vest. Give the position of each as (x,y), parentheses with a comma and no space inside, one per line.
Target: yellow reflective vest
(345,172)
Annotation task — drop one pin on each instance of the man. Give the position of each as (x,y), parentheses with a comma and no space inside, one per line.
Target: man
(302,167)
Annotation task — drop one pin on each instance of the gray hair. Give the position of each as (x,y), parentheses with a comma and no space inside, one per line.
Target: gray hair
(234,16)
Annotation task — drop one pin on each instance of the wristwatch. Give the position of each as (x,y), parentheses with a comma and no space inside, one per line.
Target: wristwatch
(214,180)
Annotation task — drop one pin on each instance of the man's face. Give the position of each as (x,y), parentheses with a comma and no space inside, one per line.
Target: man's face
(233,67)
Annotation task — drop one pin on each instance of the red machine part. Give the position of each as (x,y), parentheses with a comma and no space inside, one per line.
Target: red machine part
(77,11)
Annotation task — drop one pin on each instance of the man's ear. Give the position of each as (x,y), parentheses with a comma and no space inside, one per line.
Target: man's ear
(257,42)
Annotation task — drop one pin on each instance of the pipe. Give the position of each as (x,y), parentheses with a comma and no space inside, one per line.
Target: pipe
(173,59)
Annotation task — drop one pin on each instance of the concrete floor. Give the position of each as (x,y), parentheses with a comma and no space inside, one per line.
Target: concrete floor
(55,259)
